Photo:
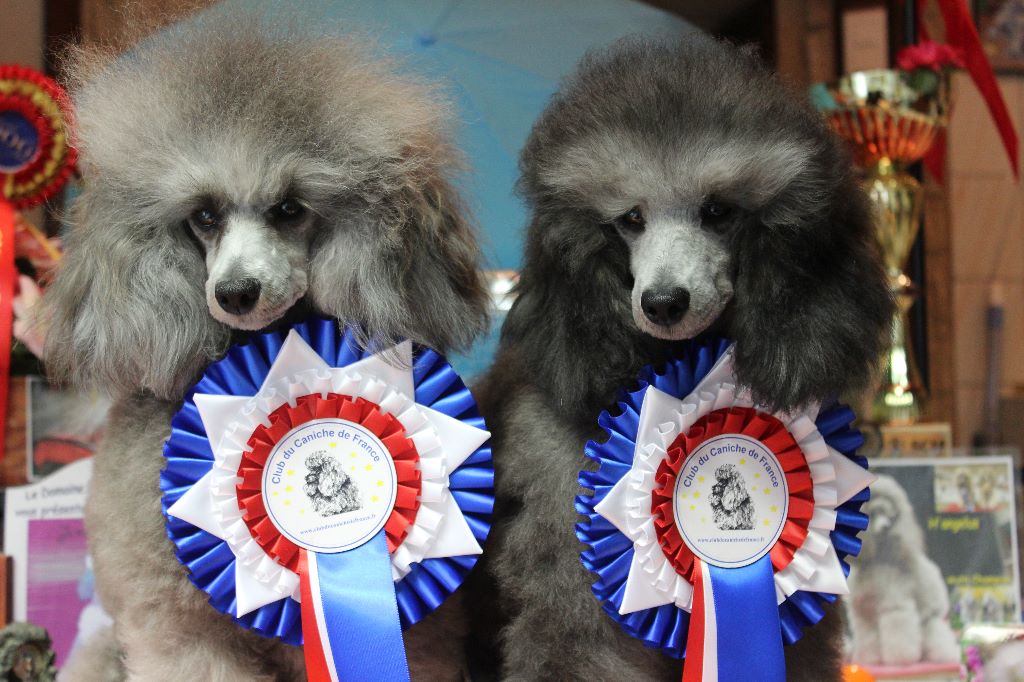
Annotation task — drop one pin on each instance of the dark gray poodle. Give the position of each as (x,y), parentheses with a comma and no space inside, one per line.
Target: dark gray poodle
(676,188)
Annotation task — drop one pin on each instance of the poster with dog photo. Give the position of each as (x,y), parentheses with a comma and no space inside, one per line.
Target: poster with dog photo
(940,552)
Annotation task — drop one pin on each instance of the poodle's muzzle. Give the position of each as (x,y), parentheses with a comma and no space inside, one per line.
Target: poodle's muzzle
(681,277)
(256,271)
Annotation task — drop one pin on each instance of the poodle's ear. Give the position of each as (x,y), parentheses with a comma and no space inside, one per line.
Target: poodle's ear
(127,311)
(442,286)
(410,270)
(813,309)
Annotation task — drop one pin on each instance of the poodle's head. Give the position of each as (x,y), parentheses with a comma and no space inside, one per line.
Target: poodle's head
(893,533)
(679,185)
(237,171)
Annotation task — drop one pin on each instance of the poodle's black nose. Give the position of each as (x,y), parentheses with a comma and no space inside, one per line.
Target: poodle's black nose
(665,307)
(238,296)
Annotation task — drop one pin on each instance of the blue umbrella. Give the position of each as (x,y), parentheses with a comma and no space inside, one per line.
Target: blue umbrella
(502,60)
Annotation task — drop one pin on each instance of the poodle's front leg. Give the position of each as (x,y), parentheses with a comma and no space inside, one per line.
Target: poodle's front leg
(899,628)
(159,645)
(867,643)
(164,625)
(557,628)
(940,644)
(561,633)
(435,646)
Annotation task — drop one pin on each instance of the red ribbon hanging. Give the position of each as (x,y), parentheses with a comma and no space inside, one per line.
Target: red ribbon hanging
(8,285)
(693,668)
(962,34)
(317,669)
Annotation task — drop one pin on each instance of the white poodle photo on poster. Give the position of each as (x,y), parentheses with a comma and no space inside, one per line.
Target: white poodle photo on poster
(928,567)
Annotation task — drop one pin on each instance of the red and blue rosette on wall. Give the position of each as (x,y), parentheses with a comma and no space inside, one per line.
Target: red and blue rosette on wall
(328,495)
(719,529)
(36,159)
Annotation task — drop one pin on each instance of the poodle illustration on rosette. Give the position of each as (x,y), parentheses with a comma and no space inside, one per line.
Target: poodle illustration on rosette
(730,500)
(899,606)
(328,487)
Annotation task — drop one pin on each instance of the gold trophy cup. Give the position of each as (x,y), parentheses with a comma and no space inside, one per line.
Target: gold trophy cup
(890,118)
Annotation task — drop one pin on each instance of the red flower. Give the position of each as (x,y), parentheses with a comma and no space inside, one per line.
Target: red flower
(928,55)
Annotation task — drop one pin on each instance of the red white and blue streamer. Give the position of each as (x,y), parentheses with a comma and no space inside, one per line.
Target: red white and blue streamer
(232,437)
(656,546)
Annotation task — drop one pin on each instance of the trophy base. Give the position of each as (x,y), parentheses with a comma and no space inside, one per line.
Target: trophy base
(899,400)
(897,405)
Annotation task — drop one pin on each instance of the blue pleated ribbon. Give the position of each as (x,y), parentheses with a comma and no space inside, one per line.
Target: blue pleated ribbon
(209,560)
(360,613)
(609,552)
(748,627)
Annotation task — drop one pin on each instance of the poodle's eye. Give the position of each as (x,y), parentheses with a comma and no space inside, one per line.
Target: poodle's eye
(633,219)
(714,212)
(288,209)
(204,219)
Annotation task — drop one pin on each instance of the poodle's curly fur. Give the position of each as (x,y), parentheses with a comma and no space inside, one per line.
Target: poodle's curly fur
(794,278)
(232,110)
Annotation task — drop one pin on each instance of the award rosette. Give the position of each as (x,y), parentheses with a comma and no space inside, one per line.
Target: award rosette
(329,495)
(35,155)
(717,529)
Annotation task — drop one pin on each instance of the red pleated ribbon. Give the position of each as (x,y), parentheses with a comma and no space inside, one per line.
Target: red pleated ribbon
(308,408)
(762,427)
(8,284)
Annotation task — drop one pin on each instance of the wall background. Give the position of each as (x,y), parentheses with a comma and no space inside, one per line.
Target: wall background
(974,228)
(986,212)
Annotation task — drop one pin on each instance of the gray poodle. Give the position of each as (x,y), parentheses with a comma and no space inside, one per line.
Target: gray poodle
(237,175)
(676,188)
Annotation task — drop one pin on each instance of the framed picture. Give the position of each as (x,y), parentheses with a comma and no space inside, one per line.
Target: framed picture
(940,553)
